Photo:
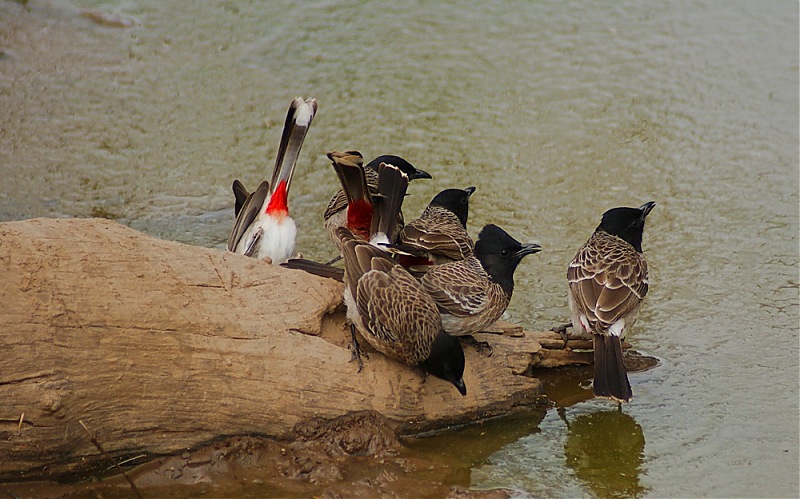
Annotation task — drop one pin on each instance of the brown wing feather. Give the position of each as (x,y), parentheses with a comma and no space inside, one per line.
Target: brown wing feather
(608,280)
(458,288)
(438,232)
(401,320)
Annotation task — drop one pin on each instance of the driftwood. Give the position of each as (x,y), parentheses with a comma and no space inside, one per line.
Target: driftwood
(157,347)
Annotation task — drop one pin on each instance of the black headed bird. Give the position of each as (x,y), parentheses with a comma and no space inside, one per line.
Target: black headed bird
(440,235)
(263,227)
(473,293)
(335,214)
(366,211)
(389,308)
(607,283)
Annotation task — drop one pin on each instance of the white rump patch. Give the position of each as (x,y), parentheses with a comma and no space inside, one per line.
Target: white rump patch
(617,329)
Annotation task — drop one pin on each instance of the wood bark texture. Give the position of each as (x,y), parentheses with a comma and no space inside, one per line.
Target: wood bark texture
(158,347)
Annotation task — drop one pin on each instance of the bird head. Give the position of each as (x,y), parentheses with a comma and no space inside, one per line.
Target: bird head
(627,223)
(405,166)
(446,361)
(499,254)
(456,201)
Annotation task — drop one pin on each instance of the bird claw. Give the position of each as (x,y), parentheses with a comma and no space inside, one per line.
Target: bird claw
(355,355)
(562,330)
(355,350)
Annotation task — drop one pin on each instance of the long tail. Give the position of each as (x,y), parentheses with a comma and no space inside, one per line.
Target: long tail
(392,186)
(316,268)
(610,376)
(298,121)
(349,167)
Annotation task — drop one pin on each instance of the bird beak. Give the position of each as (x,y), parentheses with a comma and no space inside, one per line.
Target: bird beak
(647,208)
(419,174)
(528,249)
(469,190)
(462,388)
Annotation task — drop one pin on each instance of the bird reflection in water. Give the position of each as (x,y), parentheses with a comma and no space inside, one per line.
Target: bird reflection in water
(605,449)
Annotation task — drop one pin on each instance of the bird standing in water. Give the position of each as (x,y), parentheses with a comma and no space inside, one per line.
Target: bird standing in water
(607,283)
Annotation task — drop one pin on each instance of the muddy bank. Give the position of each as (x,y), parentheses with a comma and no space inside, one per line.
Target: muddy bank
(358,455)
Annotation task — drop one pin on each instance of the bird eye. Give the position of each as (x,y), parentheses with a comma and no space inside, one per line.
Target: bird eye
(504,252)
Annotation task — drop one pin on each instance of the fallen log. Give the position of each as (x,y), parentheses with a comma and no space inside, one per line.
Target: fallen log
(156,347)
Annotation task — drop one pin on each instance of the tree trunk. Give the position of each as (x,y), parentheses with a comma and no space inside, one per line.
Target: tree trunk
(157,347)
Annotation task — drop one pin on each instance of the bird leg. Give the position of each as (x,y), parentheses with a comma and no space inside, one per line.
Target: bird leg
(355,350)
(480,346)
(562,330)
(333,260)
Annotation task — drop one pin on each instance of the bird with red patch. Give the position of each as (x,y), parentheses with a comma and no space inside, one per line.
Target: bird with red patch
(349,167)
(336,214)
(263,228)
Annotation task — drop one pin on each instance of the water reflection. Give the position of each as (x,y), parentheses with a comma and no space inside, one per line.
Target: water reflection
(459,452)
(605,449)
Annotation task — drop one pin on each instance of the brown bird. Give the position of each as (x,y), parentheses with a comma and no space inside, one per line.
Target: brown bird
(394,314)
(607,283)
(263,227)
(366,211)
(335,214)
(440,235)
(473,293)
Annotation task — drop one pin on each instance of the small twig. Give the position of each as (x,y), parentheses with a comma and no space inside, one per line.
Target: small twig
(21,419)
(103,453)
(126,461)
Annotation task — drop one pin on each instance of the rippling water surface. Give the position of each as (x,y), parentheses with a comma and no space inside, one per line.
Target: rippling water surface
(556,110)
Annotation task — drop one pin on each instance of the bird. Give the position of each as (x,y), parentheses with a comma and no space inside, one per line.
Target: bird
(471,294)
(607,283)
(440,234)
(263,228)
(335,214)
(361,201)
(389,308)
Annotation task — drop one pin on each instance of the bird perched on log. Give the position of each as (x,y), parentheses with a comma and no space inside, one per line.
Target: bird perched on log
(361,202)
(335,214)
(385,303)
(607,283)
(440,235)
(263,227)
(471,294)
(394,314)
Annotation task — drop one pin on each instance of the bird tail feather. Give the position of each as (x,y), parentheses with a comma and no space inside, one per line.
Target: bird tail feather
(298,121)
(392,186)
(610,375)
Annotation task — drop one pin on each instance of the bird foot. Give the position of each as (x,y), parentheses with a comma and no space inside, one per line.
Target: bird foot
(562,330)
(483,347)
(355,350)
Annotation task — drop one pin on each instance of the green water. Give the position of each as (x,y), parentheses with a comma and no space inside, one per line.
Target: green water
(555,110)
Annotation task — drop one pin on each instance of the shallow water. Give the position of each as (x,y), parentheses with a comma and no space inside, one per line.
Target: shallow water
(556,111)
